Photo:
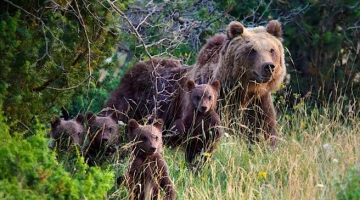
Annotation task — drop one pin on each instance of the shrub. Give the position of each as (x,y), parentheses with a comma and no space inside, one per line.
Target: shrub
(30,170)
(350,188)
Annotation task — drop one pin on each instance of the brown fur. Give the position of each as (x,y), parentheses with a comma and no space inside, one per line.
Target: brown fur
(200,123)
(104,133)
(249,62)
(148,171)
(66,133)
(149,90)
(142,85)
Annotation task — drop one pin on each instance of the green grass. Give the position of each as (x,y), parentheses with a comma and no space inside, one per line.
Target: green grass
(317,158)
(315,153)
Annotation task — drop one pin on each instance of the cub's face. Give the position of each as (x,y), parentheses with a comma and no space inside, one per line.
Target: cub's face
(104,130)
(68,132)
(203,98)
(148,138)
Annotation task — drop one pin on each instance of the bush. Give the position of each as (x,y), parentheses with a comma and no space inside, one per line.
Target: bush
(350,188)
(30,170)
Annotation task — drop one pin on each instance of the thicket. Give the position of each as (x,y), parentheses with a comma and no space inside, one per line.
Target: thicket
(30,170)
(49,52)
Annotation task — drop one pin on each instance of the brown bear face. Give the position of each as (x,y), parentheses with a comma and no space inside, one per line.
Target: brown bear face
(68,132)
(203,97)
(103,130)
(148,138)
(254,55)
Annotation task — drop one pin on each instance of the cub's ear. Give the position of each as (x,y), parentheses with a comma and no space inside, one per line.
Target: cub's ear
(190,84)
(234,29)
(114,116)
(90,116)
(274,28)
(80,118)
(216,85)
(159,123)
(56,122)
(132,125)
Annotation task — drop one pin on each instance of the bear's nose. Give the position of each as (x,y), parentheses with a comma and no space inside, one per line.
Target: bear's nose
(203,108)
(269,67)
(153,149)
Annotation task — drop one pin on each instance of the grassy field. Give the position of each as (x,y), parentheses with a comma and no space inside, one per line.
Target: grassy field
(316,151)
(317,157)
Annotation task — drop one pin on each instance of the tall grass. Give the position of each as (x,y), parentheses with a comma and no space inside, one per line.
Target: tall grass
(316,150)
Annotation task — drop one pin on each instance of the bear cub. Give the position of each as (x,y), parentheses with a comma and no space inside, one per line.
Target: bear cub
(64,133)
(200,124)
(103,135)
(148,172)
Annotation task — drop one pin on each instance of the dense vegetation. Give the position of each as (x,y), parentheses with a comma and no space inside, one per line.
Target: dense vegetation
(62,57)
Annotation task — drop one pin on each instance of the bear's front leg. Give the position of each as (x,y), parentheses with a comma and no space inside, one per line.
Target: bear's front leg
(268,117)
(194,146)
(134,172)
(179,127)
(165,182)
(177,134)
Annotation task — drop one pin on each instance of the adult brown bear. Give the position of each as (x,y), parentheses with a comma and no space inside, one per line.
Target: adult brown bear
(150,89)
(249,63)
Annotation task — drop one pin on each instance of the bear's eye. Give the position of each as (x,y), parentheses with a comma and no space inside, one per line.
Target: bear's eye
(110,129)
(198,98)
(210,97)
(143,139)
(252,52)
(155,136)
(272,51)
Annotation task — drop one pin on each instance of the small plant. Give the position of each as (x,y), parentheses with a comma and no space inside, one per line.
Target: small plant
(350,187)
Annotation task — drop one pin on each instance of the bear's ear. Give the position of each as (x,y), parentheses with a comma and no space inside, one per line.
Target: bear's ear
(234,29)
(90,116)
(216,85)
(114,116)
(80,118)
(274,28)
(132,125)
(159,123)
(56,122)
(190,84)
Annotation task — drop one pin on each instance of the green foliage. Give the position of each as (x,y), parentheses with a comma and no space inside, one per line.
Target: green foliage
(326,43)
(255,10)
(350,188)
(30,170)
(50,53)
(97,94)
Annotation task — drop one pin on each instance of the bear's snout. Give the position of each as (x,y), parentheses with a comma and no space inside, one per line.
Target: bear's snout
(265,74)
(268,69)
(153,149)
(150,150)
(203,109)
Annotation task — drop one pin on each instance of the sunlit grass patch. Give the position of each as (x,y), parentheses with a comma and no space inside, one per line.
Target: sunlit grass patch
(316,157)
